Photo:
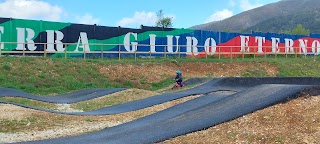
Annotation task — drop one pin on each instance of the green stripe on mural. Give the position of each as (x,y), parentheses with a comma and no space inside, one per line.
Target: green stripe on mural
(10,29)
(119,40)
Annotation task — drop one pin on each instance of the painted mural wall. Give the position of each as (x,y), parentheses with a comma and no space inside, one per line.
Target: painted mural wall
(76,39)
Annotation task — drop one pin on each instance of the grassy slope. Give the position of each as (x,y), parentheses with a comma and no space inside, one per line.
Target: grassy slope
(53,76)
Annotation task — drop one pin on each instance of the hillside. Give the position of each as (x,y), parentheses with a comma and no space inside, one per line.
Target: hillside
(269,16)
(309,19)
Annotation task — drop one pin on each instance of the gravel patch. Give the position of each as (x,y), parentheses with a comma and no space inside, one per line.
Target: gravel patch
(66,108)
(76,126)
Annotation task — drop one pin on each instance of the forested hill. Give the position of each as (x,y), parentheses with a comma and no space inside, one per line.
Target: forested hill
(276,17)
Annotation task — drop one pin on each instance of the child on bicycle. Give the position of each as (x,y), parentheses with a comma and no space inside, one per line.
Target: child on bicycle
(179,78)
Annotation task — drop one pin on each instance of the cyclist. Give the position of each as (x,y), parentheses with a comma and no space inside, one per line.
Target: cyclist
(179,78)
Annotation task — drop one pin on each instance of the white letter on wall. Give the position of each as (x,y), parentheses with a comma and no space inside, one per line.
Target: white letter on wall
(213,46)
(21,39)
(303,46)
(126,42)
(260,41)
(316,47)
(1,32)
(192,44)
(289,45)
(275,45)
(31,45)
(58,41)
(83,38)
(170,43)
(244,43)
(152,43)
(51,41)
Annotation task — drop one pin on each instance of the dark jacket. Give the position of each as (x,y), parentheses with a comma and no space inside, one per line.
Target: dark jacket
(179,77)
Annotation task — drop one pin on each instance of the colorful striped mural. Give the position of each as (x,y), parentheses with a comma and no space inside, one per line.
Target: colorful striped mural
(76,39)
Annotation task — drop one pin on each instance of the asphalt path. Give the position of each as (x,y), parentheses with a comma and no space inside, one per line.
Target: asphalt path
(73,97)
(208,111)
(77,96)
(251,94)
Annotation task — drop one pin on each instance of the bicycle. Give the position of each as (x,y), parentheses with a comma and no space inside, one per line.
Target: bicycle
(178,86)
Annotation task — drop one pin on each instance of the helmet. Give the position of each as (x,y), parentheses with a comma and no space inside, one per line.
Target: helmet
(178,72)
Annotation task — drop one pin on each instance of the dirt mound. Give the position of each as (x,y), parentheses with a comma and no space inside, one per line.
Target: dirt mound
(141,74)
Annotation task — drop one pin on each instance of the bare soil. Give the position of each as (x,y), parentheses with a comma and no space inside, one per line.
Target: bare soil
(155,72)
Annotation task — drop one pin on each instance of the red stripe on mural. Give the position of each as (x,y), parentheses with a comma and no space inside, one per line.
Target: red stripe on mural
(234,46)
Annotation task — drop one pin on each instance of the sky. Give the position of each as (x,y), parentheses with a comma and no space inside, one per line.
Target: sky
(127,13)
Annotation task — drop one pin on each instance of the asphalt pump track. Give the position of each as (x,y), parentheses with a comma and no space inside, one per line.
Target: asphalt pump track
(250,94)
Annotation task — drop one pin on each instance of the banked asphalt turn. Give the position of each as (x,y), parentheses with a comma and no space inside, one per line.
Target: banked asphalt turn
(251,94)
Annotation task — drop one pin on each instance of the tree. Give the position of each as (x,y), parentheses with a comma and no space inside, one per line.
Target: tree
(299,30)
(162,21)
(226,30)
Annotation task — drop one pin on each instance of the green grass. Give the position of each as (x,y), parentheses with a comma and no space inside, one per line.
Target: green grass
(119,98)
(29,102)
(162,84)
(93,105)
(45,76)
(299,67)
(15,125)
(255,72)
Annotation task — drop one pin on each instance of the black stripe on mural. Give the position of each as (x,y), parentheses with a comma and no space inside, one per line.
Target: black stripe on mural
(103,32)
(72,32)
(3,20)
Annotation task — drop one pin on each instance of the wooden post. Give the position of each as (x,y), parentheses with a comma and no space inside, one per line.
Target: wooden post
(119,52)
(286,53)
(165,52)
(265,52)
(101,51)
(119,47)
(150,54)
(315,54)
(23,50)
(219,43)
(135,53)
(65,51)
(254,52)
(206,52)
(192,51)
(84,51)
(178,51)
(45,50)
(242,54)
(0,49)
(305,55)
(219,52)
(231,53)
